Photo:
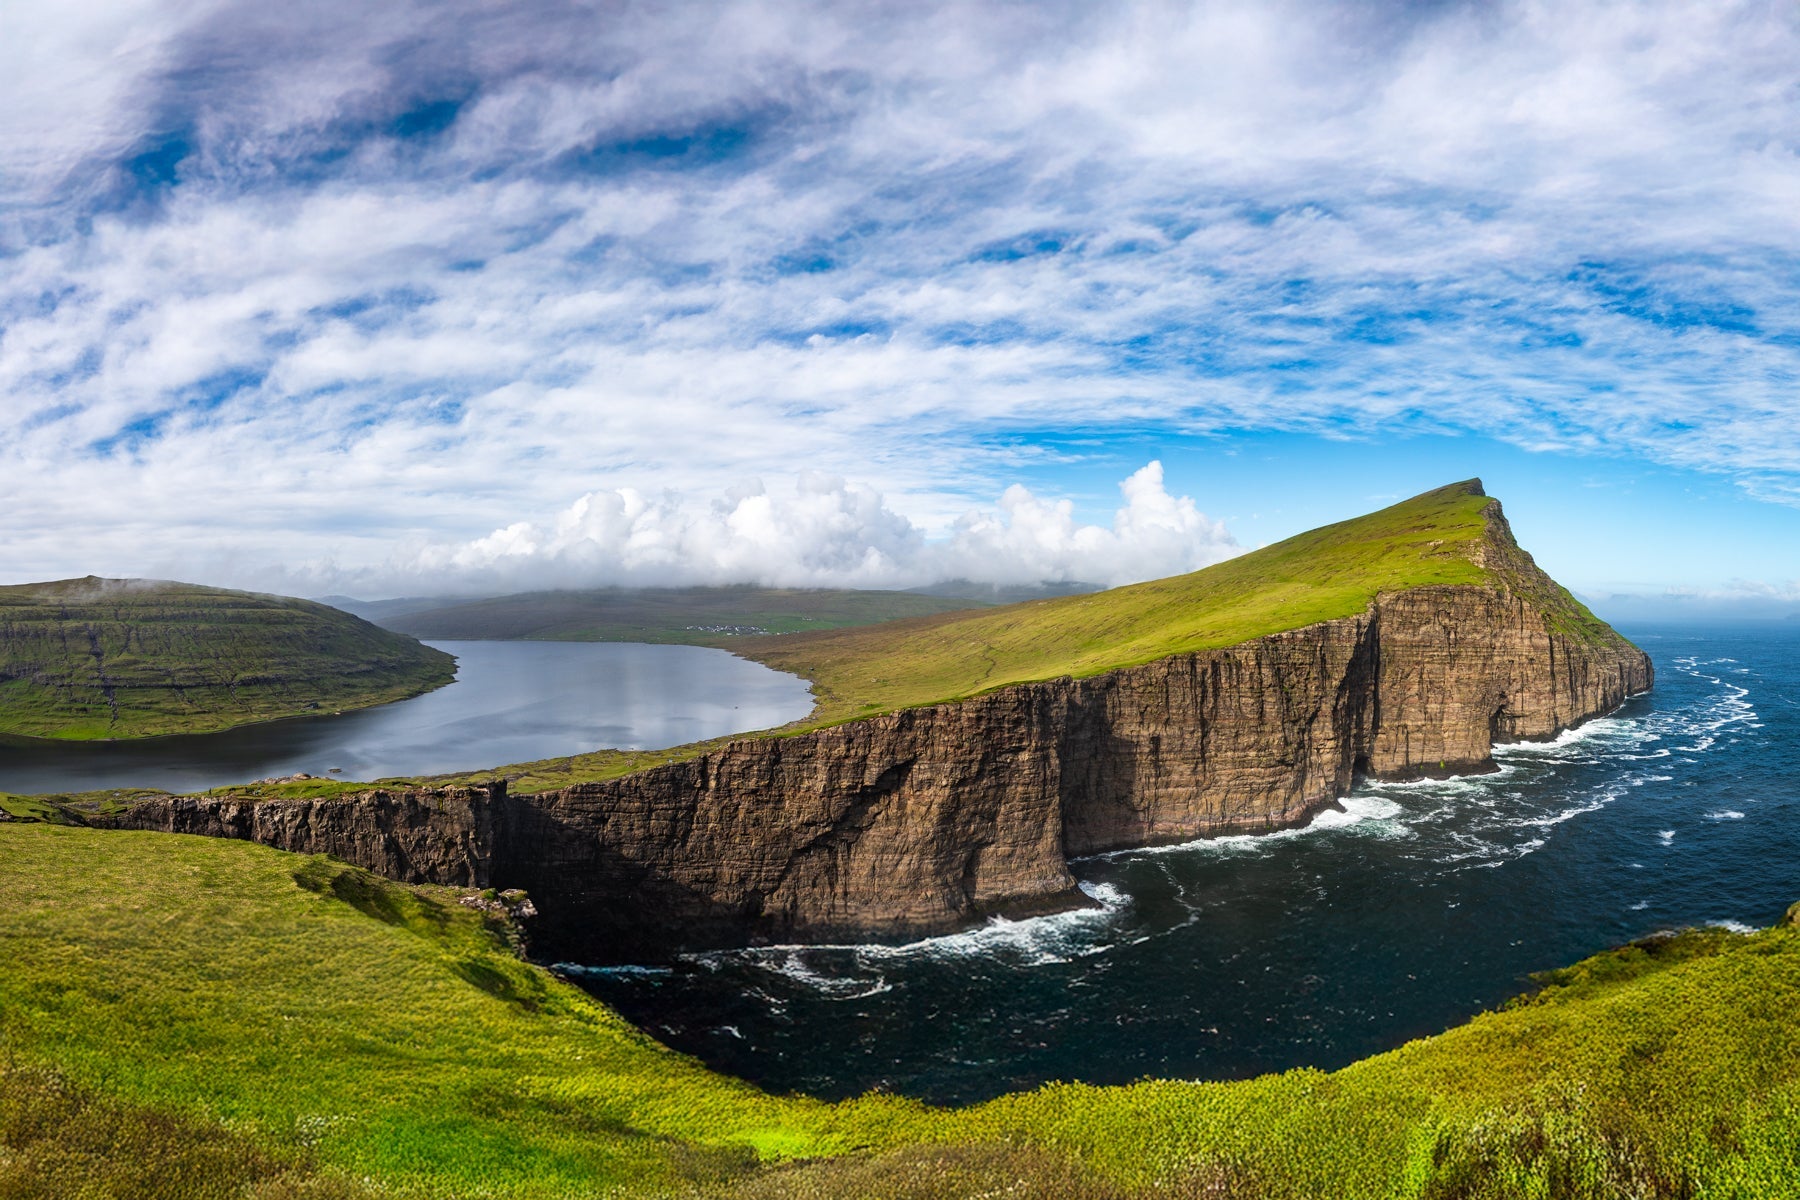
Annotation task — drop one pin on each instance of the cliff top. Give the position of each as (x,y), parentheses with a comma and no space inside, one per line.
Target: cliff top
(1451,535)
(117,658)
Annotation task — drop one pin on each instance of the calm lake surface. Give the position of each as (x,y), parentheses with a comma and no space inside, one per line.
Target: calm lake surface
(511,702)
(1399,916)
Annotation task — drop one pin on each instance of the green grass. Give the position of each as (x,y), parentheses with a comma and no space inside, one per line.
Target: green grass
(252,1023)
(1445,537)
(698,616)
(96,658)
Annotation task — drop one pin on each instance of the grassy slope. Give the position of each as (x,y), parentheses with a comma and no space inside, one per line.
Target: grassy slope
(237,1017)
(1441,537)
(713,616)
(1452,535)
(90,658)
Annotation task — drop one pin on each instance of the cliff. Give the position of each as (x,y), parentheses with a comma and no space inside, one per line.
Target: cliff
(926,819)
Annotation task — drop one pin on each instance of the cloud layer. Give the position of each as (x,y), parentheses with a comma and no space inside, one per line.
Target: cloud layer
(823,532)
(319,282)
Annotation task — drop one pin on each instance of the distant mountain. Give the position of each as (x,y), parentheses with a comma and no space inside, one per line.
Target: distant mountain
(703,616)
(994,593)
(382,611)
(122,658)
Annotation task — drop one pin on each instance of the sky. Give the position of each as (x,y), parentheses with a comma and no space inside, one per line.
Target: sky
(472,297)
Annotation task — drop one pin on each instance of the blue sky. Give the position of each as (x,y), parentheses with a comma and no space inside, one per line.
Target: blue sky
(459,296)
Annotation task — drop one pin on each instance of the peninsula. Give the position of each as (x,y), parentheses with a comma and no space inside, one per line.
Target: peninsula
(957,763)
(126,658)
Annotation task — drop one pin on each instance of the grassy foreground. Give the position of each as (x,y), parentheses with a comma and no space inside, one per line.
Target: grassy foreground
(107,658)
(188,1017)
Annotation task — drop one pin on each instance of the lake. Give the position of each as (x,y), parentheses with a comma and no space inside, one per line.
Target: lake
(511,702)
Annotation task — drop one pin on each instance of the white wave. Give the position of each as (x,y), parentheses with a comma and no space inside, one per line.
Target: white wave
(1557,818)
(1667,836)
(1028,941)
(1586,731)
(1360,808)
(1734,926)
(1640,906)
(1725,814)
(630,970)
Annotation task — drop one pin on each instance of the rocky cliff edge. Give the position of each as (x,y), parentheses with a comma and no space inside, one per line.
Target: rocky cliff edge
(931,818)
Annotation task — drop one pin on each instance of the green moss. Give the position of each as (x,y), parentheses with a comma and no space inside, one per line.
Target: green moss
(95,658)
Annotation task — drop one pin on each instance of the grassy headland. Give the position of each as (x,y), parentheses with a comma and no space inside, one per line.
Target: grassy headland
(197,1017)
(107,658)
(694,616)
(1446,536)
(1452,535)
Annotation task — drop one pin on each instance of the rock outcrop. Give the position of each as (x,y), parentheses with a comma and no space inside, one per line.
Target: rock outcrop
(927,819)
(436,835)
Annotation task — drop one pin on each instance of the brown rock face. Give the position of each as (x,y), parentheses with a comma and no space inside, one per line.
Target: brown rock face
(442,836)
(926,820)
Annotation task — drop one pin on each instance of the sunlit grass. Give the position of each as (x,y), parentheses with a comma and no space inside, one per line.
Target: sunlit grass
(300,1024)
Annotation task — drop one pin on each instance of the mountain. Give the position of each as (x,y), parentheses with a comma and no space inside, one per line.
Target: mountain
(1454,536)
(957,763)
(123,658)
(698,616)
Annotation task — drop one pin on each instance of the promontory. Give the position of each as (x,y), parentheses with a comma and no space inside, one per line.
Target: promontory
(957,763)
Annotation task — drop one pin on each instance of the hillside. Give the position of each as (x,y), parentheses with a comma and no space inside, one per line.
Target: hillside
(1452,535)
(698,616)
(108,658)
(354,1037)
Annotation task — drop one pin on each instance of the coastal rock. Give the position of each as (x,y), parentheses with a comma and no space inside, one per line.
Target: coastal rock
(932,818)
(929,819)
(438,835)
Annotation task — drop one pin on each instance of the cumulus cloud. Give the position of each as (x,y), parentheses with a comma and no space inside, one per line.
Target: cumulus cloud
(823,532)
(343,279)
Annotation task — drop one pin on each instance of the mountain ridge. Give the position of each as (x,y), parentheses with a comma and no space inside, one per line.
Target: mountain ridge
(93,658)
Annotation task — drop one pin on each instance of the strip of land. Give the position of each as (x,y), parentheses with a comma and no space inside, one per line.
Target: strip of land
(226,1017)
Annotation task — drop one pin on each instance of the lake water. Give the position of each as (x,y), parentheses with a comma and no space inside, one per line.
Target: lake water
(1403,914)
(511,702)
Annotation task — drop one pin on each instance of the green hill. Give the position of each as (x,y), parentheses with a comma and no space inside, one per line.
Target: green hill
(204,1018)
(111,658)
(698,616)
(1453,535)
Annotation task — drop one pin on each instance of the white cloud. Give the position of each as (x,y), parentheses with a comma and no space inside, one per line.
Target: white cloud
(823,532)
(887,242)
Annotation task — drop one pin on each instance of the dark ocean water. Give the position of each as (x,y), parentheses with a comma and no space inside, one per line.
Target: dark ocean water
(511,702)
(1403,914)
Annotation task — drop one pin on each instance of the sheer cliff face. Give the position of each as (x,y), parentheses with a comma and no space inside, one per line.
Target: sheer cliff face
(924,820)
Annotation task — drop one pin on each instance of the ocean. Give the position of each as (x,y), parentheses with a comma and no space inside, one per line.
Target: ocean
(1405,912)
